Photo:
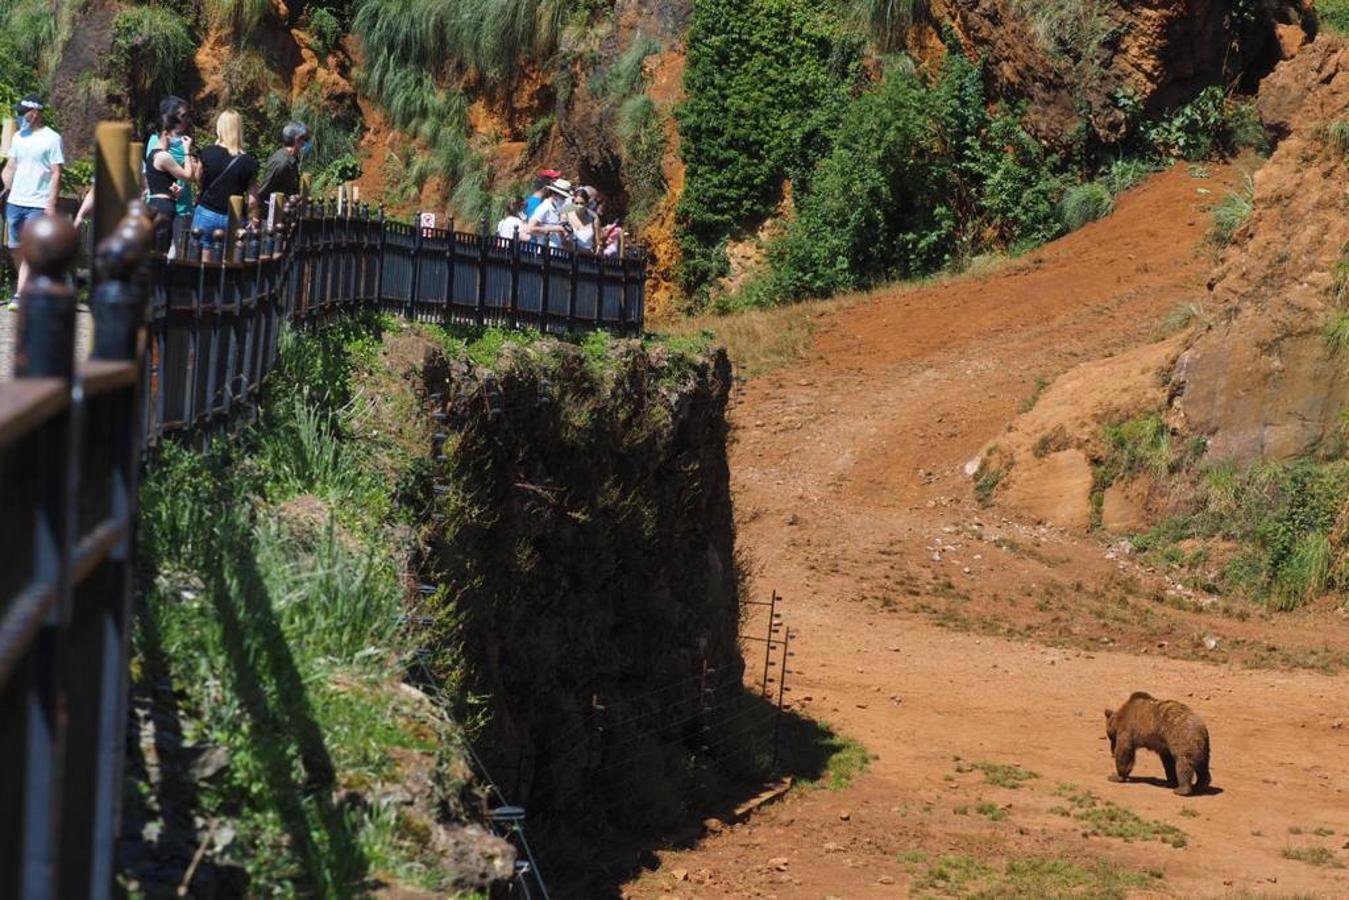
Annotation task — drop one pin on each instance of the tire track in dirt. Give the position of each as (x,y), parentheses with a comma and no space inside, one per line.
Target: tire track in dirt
(852,501)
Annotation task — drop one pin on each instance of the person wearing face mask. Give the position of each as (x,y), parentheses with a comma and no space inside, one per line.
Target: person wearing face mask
(282,174)
(173,119)
(166,179)
(32,179)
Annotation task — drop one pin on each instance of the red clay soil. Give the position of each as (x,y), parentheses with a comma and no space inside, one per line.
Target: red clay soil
(929,628)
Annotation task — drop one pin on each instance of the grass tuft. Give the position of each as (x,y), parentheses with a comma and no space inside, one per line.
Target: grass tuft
(1102,817)
(1314,856)
(1232,212)
(1084,203)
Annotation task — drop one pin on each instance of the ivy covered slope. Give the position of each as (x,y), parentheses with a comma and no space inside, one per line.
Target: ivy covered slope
(273,725)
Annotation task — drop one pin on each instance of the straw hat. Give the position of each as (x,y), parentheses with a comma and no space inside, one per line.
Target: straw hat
(561,186)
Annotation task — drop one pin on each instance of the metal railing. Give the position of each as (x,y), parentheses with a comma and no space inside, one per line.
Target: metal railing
(69,462)
(181,347)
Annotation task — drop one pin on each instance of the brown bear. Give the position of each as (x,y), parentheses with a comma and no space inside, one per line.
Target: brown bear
(1172,730)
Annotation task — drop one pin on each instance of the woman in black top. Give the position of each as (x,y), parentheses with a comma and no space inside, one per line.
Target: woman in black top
(162,173)
(227,171)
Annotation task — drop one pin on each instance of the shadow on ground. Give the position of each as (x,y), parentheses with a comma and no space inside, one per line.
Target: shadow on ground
(736,764)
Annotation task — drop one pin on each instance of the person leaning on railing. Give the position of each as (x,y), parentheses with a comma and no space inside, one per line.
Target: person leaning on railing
(226,171)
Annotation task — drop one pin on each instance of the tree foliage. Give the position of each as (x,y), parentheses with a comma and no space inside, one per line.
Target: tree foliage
(767,82)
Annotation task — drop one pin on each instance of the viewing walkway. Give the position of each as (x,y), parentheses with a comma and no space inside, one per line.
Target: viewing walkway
(181,348)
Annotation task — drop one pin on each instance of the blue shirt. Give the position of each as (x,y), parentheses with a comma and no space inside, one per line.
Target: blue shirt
(531,204)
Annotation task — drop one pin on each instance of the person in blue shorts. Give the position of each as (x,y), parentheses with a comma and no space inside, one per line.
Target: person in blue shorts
(32,179)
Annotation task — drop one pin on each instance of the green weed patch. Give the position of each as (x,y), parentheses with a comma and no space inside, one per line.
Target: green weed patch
(1107,819)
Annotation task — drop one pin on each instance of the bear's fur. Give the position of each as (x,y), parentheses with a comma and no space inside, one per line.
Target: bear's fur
(1172,730)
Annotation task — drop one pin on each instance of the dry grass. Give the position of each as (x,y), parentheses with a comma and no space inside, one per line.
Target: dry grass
(761,340)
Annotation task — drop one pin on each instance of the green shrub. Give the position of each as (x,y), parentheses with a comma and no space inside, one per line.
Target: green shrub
(154,47)
(1333,15)
(1210,124)
(1085,203)
(325,30)
(919,174)
(767,82)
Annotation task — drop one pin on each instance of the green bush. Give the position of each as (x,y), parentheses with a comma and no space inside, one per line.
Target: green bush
(154,46)
(1333,15)
(1209,125)
(325,30)
(1085,203)
(767,82)
(919,174)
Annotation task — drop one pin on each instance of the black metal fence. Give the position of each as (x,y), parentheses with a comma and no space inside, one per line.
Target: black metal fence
(181,346)
(68,473)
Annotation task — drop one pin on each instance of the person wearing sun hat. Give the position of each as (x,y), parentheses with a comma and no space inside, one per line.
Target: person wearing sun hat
(546,222)
(32,178)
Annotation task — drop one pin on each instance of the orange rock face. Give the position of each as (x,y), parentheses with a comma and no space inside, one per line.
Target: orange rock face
(1265,382)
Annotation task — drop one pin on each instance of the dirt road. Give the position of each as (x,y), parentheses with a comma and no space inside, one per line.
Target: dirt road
(941,635)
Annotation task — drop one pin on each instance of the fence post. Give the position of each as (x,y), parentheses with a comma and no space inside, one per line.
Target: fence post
(117,303)
(379,259)
(623,289)
(515,279)
(115,182)
(451,252)
(571,289)
(45,348)
(410,311)
(480,313)
(546,294)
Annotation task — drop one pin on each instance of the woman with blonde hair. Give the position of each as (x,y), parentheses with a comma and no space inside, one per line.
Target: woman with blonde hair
(226,171)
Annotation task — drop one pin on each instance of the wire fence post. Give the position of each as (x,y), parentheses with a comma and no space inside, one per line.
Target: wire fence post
(782,689)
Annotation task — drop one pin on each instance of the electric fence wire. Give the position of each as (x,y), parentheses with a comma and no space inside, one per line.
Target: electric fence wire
(517,828)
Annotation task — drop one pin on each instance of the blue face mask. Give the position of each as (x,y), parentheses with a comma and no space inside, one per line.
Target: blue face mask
(25,126)
(306,147)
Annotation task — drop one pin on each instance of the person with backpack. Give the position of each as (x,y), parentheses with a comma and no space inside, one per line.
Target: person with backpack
(226,171)
(32,179)
(167,179)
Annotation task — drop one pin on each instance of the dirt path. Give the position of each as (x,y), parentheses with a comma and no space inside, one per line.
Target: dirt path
(930,629)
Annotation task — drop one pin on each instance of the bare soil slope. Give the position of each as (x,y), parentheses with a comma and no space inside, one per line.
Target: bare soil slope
(930,628)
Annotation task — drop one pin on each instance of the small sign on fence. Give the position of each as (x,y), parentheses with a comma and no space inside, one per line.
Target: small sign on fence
(428,221)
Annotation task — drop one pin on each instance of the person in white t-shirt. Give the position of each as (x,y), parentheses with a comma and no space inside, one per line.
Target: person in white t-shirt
(545,225)
(513,224)
(32,178)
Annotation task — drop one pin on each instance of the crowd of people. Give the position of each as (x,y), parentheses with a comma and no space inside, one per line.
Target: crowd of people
(186,189)
(189,189)
(560,214)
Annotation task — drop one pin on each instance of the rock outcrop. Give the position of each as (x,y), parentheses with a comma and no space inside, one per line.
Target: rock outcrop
(1265,382)
(1066,61)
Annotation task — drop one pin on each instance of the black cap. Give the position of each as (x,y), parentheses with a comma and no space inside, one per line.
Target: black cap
(28,104)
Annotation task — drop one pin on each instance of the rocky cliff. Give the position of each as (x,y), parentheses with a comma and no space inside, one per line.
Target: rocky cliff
(1269,379)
